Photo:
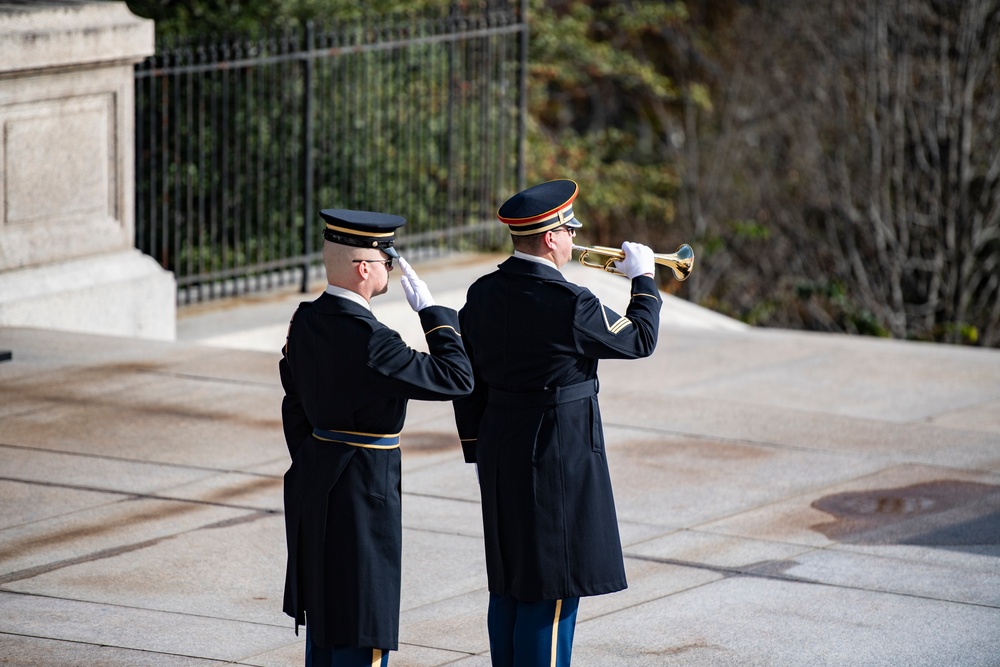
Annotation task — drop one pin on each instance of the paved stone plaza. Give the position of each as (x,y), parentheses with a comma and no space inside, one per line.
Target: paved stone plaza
(784,498)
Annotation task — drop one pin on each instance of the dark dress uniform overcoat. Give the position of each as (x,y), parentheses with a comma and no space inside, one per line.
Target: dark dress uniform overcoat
(342,370)
(533,425)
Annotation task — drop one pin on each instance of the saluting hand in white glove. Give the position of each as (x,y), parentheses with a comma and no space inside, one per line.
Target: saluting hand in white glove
(638,260)
(415,289)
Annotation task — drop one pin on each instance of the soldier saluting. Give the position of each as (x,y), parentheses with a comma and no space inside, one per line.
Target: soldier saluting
(347,379)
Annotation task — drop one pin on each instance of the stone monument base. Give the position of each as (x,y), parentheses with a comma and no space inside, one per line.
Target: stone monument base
(67,172)
(123,293)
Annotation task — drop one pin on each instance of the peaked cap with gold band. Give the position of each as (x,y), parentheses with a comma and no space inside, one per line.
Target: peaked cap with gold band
(540,208)
(362,229)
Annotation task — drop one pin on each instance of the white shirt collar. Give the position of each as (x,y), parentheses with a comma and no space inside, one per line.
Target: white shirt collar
(349,295)
(533,258)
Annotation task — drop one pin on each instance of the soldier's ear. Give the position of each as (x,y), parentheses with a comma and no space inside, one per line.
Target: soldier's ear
(364,269)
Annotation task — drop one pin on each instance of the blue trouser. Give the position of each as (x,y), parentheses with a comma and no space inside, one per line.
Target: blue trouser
(343,656)
(529,634)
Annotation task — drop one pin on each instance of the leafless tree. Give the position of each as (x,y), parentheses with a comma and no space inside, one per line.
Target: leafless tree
(849,176)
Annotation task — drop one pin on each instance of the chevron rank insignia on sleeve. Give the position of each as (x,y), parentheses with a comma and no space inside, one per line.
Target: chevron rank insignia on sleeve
(618,325)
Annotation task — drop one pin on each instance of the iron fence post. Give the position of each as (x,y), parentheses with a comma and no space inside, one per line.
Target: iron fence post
(307,156)
(523,106)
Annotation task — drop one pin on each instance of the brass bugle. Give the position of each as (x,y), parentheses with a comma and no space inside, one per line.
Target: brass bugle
(602,257)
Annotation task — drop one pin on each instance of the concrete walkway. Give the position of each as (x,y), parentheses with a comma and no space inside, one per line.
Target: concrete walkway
(784,498)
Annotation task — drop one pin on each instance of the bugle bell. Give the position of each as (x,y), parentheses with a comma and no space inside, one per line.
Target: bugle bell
(602,257)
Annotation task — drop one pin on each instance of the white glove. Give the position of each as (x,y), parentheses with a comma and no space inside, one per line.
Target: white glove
(638,260)
(415,289)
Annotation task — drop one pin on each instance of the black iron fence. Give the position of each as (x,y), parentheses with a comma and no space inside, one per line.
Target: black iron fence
(239,143)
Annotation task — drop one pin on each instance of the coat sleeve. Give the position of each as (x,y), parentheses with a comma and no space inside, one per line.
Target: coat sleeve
(443,373)
(469,409)
(293,416)
(603,334)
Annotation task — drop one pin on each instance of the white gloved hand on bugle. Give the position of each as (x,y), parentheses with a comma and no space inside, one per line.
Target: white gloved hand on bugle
(415,289)
(638,260)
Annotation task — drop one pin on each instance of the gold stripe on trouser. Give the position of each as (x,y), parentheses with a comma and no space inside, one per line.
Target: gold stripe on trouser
(555,633)
(376,657)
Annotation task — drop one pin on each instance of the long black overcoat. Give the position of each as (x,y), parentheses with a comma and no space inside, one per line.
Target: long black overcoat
(533,425)
(343,370)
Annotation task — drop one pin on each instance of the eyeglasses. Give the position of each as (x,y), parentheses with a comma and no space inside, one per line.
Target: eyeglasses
(387,262)
(568,230)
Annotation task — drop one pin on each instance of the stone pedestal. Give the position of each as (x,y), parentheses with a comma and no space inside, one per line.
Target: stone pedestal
(67,255)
